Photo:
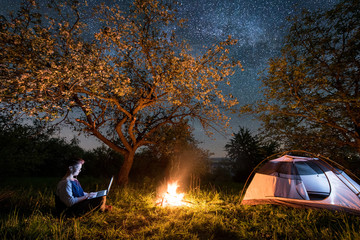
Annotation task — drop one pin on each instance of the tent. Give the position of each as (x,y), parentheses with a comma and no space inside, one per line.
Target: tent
(303,182)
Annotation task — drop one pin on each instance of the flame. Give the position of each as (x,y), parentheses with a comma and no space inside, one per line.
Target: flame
(171,197)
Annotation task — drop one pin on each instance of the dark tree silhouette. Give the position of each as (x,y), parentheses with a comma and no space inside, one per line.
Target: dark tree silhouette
(246,150)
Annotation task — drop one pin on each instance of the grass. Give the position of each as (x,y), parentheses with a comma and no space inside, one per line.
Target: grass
(27,213)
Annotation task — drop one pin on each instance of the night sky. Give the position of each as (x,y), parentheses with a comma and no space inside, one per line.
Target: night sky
(259,25)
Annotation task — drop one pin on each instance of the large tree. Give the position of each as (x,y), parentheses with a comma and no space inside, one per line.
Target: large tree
(312,91)
(120,80)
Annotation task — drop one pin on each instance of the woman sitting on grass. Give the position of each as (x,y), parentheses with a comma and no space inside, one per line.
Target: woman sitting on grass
(71,199)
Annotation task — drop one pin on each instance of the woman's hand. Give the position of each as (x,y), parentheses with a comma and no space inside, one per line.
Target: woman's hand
(88,195)
(92,194)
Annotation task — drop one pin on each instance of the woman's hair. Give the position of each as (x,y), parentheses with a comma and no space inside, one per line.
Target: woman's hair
(74,161)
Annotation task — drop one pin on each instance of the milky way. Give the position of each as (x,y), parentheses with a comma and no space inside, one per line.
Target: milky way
(259,26)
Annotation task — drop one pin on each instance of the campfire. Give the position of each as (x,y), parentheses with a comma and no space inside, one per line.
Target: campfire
(170,197)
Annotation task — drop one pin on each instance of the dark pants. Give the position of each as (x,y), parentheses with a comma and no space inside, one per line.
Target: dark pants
(88,205)
(82,207)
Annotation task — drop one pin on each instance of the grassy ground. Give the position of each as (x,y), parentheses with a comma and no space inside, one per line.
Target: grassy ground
(27,213)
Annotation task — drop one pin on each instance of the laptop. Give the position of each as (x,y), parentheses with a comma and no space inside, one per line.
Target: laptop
(103,192)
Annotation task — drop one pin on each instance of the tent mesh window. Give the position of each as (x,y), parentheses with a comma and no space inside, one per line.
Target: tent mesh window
(315,181)
(280,169)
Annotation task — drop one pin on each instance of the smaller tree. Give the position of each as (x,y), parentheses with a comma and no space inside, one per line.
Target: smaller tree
(175,155)
(312,91)
(245,151)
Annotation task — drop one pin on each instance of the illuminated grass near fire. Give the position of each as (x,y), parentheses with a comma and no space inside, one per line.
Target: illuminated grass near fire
(26,213)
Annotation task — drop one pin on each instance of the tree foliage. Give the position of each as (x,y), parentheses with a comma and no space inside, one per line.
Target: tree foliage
(120,82)
(31,150)
(312,91)
(102,162)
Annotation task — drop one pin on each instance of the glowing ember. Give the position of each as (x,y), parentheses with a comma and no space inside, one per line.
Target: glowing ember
(171,197)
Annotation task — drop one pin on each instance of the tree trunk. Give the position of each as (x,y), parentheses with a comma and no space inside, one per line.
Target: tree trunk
(123,176)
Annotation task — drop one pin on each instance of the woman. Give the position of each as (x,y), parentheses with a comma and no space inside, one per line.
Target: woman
(71,199)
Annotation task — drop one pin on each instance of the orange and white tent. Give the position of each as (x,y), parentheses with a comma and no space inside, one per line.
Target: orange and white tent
(303,182)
